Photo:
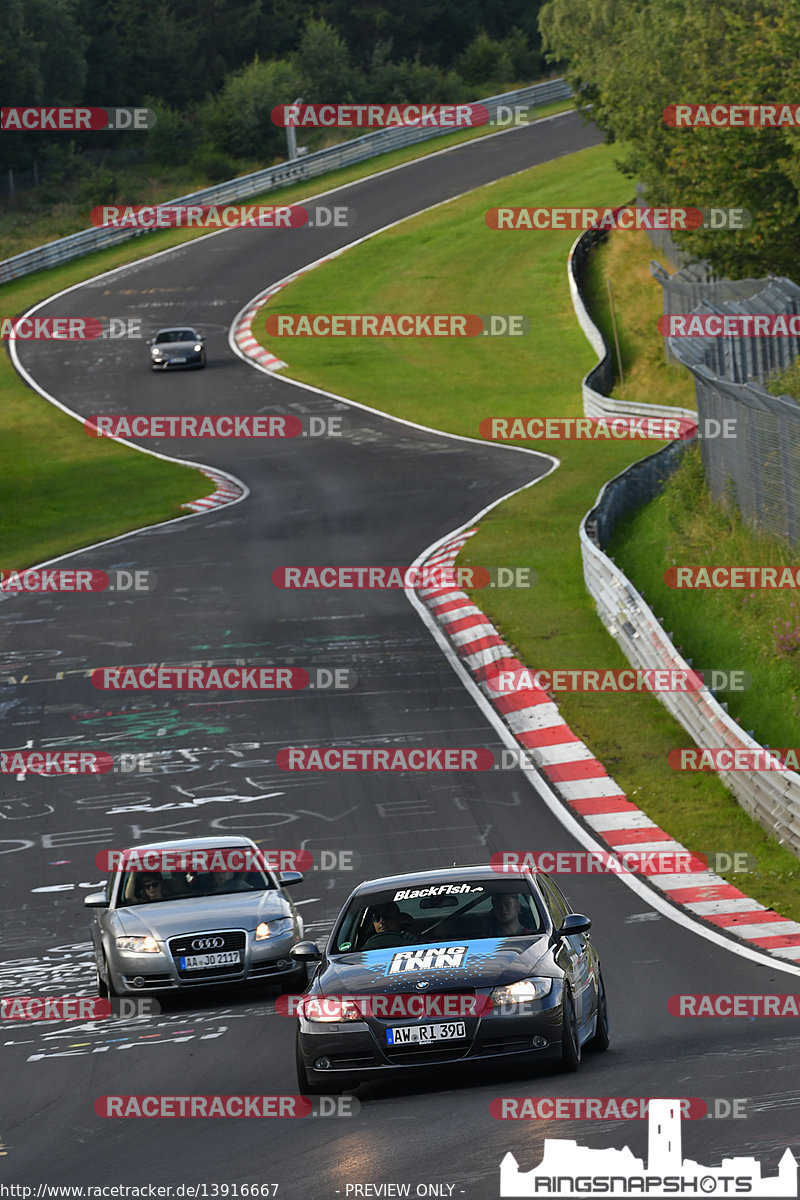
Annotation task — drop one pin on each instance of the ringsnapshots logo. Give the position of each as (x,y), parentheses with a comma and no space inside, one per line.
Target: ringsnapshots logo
(397,325)
(74,120)
(568,1169)
(224,216)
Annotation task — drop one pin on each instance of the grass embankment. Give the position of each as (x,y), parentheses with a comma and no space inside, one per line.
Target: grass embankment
(448,261)
(60,489)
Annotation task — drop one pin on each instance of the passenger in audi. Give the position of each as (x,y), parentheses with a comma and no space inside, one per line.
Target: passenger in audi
(149,888)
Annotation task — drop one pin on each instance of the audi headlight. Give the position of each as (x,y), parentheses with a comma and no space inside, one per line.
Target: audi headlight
(330,1009)
(519,993)
(138,945)
(273,928)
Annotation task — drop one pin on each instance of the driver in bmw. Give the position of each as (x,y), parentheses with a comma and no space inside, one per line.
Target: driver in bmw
(388,932)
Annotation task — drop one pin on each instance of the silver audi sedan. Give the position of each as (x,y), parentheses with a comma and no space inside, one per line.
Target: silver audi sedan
(154,931)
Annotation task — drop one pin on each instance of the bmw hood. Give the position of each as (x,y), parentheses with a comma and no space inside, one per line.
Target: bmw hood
(194,915)
(484,963)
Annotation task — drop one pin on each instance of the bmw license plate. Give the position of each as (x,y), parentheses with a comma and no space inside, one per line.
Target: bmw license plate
(402,1034)
(199,962)
(182,359)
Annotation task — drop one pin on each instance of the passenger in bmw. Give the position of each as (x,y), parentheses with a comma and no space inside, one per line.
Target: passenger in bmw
(504,921)
(386,921)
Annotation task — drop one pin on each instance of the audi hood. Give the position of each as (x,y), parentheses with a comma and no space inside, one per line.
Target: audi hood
(197,914)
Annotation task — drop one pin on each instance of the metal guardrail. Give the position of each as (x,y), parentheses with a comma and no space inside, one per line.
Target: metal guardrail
(246,186)
(770,797)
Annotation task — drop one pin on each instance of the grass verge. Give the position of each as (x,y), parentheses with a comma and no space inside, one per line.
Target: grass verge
(59,489)
(447,261)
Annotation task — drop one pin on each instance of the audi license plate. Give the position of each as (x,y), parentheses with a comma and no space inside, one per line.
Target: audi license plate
(400,1035)
(199,962)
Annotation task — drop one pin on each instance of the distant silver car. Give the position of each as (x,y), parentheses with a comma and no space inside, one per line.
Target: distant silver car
(160,930)
(183,347)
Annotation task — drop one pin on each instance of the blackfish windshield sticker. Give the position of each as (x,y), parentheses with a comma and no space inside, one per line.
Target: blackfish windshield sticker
(442,889)
(428,958)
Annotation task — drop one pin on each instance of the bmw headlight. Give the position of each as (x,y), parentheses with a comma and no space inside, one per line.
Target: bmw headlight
(138,945)
(521,992)
(331,1009)
(273,928)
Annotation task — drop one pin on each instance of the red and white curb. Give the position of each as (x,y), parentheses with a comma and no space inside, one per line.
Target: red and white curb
(243,330)
(225,490)
(581,781)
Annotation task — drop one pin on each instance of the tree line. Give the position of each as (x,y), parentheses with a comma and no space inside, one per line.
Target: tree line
(212,70)
(632,58)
